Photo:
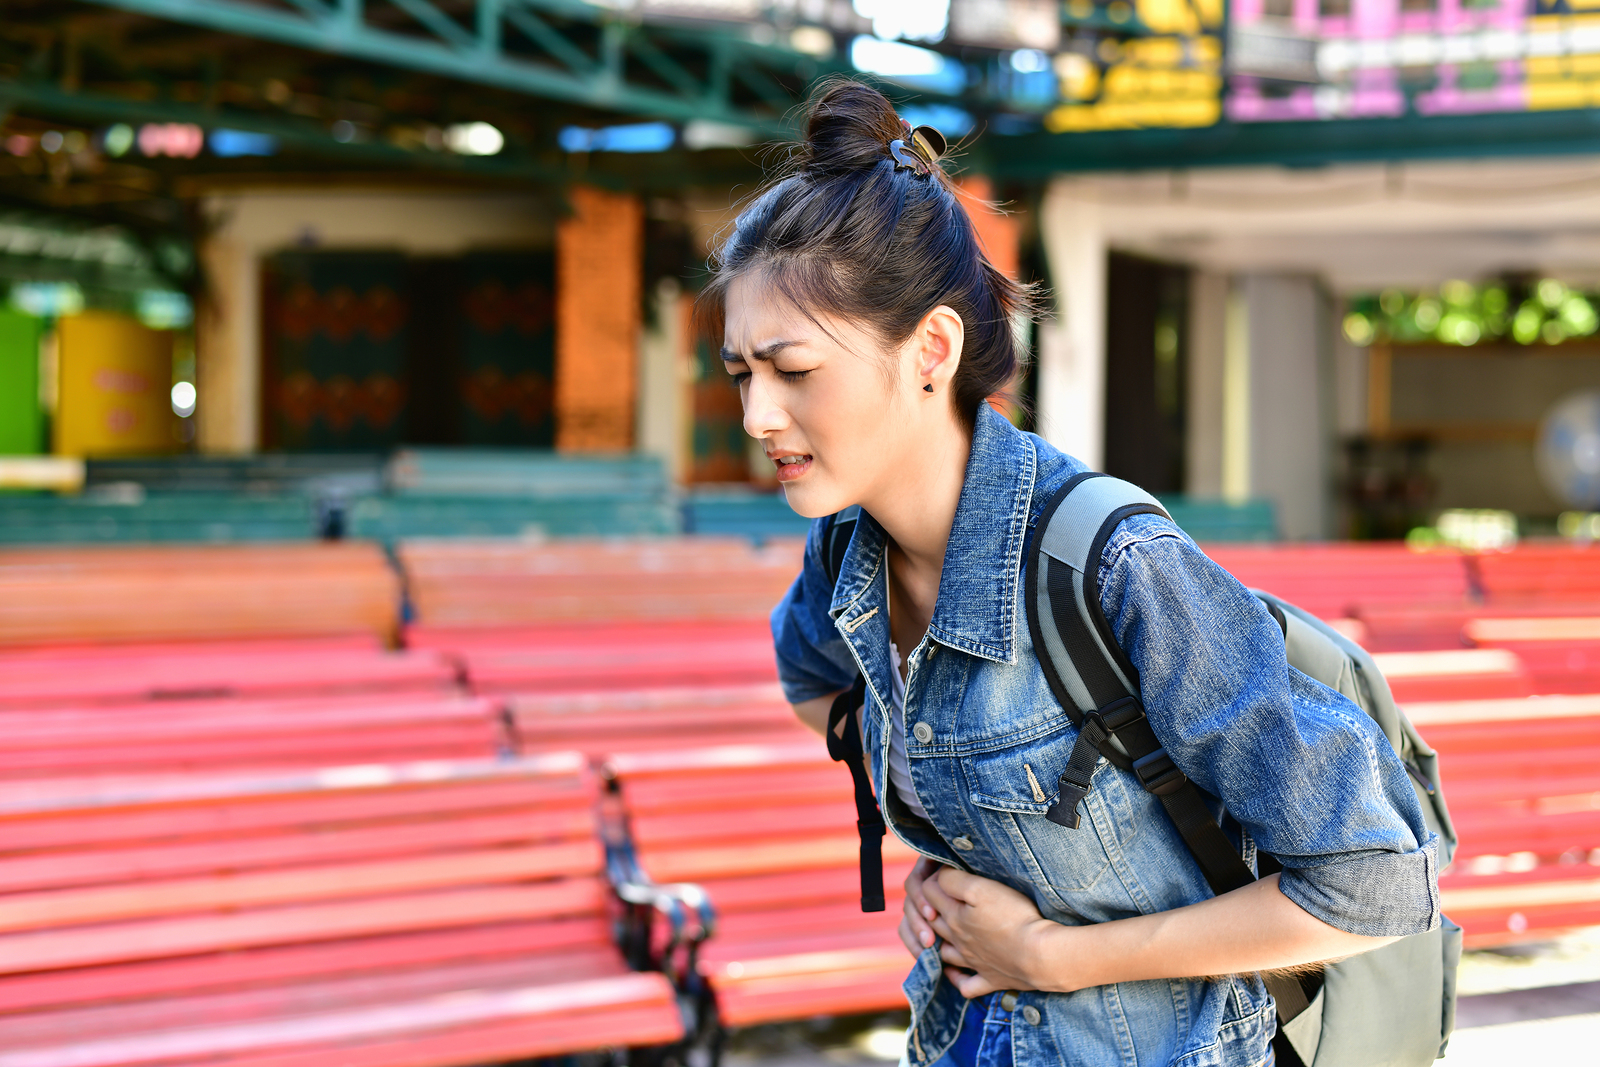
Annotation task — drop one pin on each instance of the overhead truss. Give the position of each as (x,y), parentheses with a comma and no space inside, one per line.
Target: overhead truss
(565,50)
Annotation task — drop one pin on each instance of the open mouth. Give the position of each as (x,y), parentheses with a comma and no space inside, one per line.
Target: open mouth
(791,467)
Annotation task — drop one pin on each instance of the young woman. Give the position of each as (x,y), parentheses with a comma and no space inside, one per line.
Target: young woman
(866,331)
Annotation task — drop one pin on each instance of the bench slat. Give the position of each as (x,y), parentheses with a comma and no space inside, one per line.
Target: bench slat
(29,911)
(157,939)
(255,966)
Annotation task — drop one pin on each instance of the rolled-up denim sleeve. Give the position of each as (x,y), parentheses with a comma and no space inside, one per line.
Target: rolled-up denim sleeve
(1303,769)
(813,660)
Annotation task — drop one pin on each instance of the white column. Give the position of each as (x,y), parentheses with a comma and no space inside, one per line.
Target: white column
(228,350)
(1289,403)
(1071,400)
(1236,395)
(663,384)
(1208,309)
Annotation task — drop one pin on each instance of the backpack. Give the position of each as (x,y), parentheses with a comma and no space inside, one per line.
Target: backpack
(1391,1007)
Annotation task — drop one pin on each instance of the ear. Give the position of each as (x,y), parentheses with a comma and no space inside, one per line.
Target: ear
(936,348)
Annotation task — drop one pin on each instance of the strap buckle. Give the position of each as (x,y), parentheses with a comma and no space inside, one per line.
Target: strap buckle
(1158,774)
(1118,715)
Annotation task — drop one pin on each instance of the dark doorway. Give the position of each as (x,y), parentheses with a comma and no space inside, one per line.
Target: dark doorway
(364,351)
(1147,305)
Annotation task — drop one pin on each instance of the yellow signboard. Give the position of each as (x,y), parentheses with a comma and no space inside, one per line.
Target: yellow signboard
(116,382)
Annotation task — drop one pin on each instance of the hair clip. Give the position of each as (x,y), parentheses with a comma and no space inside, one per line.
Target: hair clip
(919,150)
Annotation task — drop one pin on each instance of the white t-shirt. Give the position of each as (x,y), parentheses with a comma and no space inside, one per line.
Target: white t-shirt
(899,766)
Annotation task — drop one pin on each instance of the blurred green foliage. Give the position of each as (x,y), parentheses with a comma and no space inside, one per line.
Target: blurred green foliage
(1459,313)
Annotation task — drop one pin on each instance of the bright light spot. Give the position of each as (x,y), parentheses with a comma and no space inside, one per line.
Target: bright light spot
(51,141)
(344,131)
(180,140)
(948,119)
(918,20)
(74,141)
(634,137)
(920,68)
(1478,530)
(1551,292)
(882,1043)
(117,139)
(474,139)
(47,299)
(232,143)
(1029,61)
(1427,315)
(812,40)
(1358,328)
(183,398)
(163,309)
(19,144)
(703,133)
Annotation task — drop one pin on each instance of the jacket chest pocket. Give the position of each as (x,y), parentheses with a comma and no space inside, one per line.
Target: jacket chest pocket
(1015,786)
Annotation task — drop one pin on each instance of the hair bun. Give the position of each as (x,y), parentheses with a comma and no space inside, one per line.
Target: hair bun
(848,128)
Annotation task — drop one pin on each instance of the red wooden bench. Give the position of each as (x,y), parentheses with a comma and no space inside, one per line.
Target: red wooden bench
(596,655)
(413,915)
(113,675)
(1523,777)
(768,831)
(1337,580)
(206,736)
(518,583)
(599,722)
(98,593)
(1455,674)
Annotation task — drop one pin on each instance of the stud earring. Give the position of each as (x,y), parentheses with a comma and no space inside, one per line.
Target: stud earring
(928,388)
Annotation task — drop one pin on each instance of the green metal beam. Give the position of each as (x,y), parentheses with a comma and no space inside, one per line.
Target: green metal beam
(1035,157)
(474,55)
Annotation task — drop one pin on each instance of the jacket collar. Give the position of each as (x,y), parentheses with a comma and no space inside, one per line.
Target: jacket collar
(977,609)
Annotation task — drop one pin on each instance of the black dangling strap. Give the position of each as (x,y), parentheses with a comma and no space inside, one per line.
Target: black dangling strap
(1075,779)
(844,746)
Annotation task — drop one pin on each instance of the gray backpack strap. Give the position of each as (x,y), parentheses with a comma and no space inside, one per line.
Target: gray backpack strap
(1098,686)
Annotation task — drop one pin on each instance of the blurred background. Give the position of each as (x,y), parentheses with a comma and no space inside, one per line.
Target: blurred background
(383,566)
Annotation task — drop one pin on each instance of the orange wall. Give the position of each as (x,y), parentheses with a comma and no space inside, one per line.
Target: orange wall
(997,232)
(599,268)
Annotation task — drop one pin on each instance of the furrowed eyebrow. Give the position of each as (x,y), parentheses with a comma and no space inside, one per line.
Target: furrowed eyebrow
(761,355)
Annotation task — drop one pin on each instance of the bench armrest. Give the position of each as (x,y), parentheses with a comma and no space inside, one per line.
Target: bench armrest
(685,907)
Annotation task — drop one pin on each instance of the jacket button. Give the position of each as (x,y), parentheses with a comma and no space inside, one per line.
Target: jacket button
(964,844)
(1031,1014)
(922,732)
(1009,1002)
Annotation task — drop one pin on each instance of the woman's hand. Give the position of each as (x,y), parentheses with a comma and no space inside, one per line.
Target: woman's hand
(993,935)
(915,932)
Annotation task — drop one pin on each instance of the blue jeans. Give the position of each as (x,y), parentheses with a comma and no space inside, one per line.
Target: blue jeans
(985,1037)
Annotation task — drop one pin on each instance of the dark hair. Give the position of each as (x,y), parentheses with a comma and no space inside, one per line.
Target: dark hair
(849,233)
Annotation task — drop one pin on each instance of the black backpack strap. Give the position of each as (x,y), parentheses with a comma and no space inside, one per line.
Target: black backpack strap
(844,745)
(1098,686)
(844,729)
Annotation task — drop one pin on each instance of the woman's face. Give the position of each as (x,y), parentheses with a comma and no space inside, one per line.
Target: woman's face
(837,413)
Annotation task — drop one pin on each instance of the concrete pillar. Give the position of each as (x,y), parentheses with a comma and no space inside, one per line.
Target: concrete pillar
(665,414)
(1072,345)
(1290,402)
(599,272)
(227,411)
(1208,309)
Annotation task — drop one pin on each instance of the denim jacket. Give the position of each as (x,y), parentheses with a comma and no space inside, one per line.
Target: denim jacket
(1296,769)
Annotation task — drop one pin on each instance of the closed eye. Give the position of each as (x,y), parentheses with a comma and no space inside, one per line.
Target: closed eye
(792,375)
(742,377)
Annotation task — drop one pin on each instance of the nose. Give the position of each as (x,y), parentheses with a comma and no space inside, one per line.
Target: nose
(763,415)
